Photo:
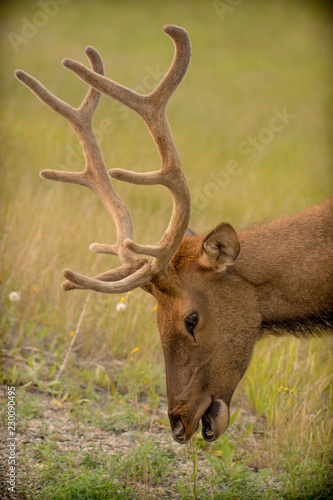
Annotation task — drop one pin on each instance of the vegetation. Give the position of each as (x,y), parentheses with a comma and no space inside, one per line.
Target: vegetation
(99,365)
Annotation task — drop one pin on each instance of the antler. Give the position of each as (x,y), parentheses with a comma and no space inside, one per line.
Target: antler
(135,271)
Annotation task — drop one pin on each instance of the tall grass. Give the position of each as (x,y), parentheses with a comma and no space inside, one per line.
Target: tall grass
(263,56)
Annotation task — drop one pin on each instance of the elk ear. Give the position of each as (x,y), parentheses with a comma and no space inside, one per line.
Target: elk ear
(220,248)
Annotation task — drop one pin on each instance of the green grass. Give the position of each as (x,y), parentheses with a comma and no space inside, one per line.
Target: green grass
(263,56)
(90,482)
(145,470)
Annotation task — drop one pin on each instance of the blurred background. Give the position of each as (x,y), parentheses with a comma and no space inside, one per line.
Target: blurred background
(253,124)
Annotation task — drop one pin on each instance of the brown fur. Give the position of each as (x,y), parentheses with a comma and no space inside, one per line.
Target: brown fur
(188,251)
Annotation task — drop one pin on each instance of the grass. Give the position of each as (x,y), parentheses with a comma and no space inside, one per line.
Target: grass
(145,470)
(263,57)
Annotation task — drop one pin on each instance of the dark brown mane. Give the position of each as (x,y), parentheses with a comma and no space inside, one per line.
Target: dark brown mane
(307,327)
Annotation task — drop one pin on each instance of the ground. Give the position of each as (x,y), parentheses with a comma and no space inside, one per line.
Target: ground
(55,434)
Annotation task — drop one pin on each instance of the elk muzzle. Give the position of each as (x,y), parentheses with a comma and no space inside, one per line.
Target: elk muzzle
(214,419)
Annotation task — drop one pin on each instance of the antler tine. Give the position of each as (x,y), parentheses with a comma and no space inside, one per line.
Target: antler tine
(90,102)
(113,275)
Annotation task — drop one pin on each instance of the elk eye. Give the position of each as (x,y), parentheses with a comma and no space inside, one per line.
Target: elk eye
(191,321)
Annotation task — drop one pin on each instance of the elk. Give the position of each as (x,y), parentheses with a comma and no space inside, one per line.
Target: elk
(217,293)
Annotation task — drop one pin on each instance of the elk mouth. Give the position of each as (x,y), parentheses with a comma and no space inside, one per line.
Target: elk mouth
(215,420)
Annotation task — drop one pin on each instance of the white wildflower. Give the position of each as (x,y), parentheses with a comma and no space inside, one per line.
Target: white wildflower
(121,306)
(14,296)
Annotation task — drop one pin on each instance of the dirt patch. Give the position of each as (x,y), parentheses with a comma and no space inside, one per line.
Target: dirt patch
(55,425)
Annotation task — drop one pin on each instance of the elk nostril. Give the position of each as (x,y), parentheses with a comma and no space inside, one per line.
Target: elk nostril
(177,427)
(179,430)
(207,431)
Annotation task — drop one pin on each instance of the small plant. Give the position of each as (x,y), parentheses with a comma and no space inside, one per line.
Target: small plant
(194,446)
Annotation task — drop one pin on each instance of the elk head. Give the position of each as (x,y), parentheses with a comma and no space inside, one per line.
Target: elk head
(202,333)
(208,314)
